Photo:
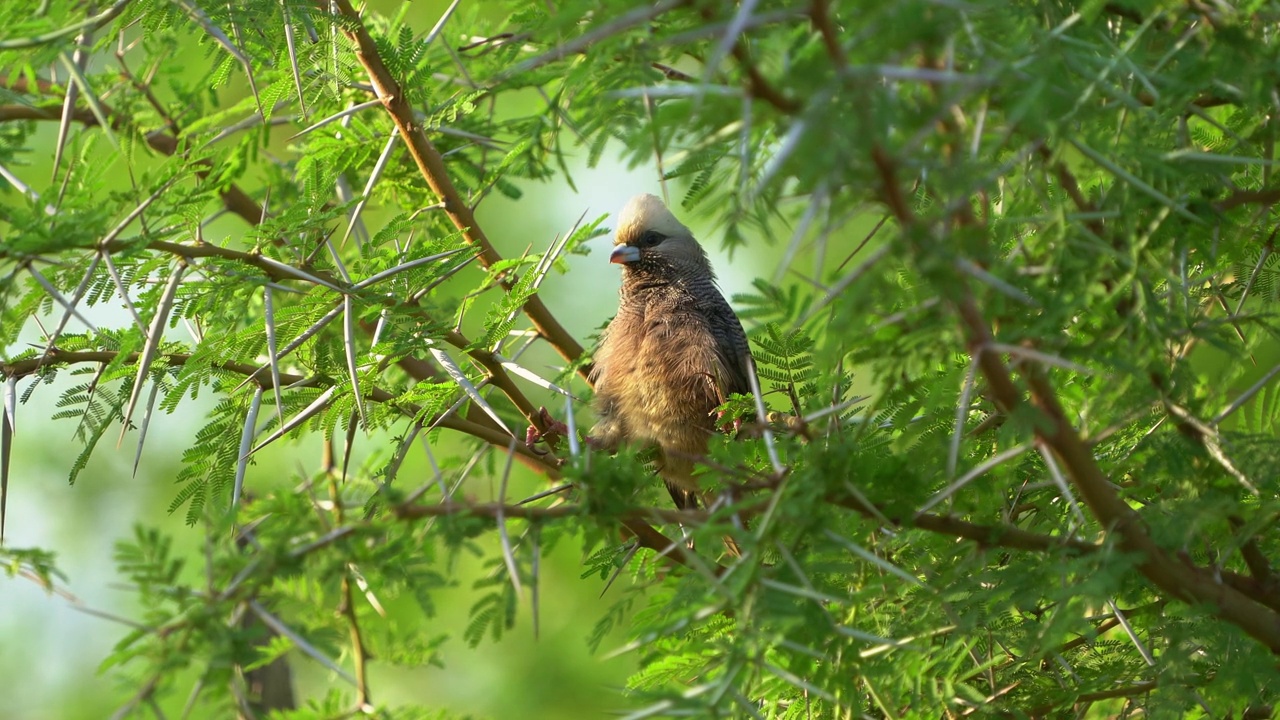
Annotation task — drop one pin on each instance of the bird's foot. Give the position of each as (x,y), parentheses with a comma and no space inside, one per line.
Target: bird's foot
(552,430)
(531,437)
(728,426)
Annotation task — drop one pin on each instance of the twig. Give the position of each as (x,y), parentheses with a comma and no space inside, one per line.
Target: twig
(820,13)
(756,84)
(90,23)
(431,165)
(233,198)
(1181,580)
(262,376)
(635,521)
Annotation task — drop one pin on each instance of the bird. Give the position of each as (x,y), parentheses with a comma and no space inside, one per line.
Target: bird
(673,353)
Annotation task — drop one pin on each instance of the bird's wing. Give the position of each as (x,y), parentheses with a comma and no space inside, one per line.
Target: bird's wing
(733,353)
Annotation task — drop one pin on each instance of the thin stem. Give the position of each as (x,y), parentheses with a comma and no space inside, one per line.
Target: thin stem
(431,165)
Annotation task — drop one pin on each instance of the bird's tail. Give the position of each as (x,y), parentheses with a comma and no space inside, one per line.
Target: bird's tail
(678,474)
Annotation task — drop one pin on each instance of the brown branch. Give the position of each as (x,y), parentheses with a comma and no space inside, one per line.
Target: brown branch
(497,374)
(1139,688)
(1005,536)
(820,13)
(1067,179)
(649,537)
(532,512)
(262,376)
(1259,566)
(347,608)
(1268,594)
(1248,197)
(636,522)
(1068,182)
(1184,581)
(1121,11)
(359,653)
(145,88)
(1108,624)
(233,198)
(238,202)
(757,85)
(266,687)
(431,165)
(486,510)
(1014,538)
(1202,101)
(671,73)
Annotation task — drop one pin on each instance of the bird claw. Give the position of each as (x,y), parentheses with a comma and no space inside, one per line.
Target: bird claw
(735,425)
(531,437)
(554,430)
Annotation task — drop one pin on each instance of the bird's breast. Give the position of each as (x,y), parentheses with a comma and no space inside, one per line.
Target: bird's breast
(658,376)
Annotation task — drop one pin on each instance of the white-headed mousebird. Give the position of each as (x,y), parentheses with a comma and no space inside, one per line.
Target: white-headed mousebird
(674,352)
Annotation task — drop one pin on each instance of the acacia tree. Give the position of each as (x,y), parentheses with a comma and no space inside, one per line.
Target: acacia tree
(1014,451)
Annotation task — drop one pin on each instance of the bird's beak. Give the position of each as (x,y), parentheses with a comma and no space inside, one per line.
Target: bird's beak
(624,254)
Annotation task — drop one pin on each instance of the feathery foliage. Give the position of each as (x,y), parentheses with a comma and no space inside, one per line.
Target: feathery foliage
(1017,349)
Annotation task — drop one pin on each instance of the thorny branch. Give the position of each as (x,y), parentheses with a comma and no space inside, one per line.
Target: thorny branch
(262,376)
(636,523)
(347,609)
(235,199)
(1179,578)
(1232,594)
(431,165)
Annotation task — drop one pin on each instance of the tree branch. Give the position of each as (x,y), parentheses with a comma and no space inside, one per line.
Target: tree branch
(262,376)
(1258,564)
(233,198)
(635,521)
(532,512)
(431,165)
(1139,688)
(820,13)
(498,375)
(1183,581)
(757,85)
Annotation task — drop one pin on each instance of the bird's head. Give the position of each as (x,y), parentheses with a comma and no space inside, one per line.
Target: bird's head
(650,240)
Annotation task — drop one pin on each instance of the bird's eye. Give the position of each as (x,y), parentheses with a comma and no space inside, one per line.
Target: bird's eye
(651,238)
